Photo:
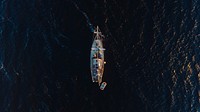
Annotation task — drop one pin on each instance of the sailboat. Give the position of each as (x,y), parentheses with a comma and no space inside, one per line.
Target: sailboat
(97,58)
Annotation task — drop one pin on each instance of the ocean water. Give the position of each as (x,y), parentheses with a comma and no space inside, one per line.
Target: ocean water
(152,54)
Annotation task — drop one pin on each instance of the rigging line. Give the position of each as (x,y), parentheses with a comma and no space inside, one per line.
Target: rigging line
(85,15)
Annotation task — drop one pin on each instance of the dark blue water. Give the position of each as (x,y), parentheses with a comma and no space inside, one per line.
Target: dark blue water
(152,54)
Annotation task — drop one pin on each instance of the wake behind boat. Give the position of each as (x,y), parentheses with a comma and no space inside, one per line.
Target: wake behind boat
(97,58)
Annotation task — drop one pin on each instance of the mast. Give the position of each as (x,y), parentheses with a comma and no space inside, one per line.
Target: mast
(97,34)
